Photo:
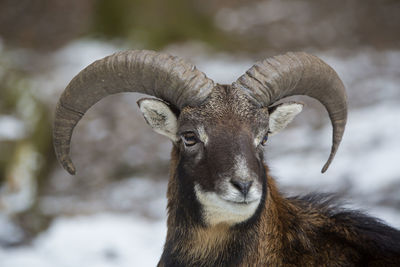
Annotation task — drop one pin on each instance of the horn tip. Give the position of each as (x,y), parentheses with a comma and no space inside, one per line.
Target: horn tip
(325,168)
(69,167)
(71,171)
(328,163)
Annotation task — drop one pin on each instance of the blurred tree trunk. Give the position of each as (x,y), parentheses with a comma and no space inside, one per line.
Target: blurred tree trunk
(25,153)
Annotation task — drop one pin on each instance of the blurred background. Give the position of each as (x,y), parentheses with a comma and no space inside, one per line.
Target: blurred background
(112,213)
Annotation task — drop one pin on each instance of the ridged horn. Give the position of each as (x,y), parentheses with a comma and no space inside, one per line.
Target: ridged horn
(156,74)
(299,74)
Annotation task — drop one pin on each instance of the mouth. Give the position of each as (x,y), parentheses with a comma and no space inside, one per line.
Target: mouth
(241,202)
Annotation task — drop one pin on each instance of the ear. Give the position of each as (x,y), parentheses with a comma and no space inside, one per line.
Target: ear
(281,115)
(160,117)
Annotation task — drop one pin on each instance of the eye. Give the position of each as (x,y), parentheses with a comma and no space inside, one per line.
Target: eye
(265,139)
(189,138)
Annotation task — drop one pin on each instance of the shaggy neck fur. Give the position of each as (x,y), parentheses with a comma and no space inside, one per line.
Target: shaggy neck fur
(305,231)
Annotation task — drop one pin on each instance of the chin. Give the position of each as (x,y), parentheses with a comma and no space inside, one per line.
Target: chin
(228,209)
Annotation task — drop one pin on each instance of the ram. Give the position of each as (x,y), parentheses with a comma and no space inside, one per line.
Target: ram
(223,207)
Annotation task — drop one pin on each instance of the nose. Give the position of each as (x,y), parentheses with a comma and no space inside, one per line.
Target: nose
(242,186)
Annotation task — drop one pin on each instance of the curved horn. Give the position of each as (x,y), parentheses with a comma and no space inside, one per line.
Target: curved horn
(148,72)
(299,74)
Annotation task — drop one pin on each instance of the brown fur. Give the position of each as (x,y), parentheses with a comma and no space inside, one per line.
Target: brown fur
(288,234)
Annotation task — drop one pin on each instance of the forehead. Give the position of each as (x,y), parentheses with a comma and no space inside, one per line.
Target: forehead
(226,108)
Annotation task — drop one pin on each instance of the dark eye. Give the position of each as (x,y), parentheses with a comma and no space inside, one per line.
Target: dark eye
(189,138)
(265,139)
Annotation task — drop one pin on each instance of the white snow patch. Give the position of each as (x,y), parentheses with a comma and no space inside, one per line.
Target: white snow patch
(98,241)
(224,69)
(11,128)
(368,155)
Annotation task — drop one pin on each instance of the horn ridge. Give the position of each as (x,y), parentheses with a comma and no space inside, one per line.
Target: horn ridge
(157,74)
(299,73)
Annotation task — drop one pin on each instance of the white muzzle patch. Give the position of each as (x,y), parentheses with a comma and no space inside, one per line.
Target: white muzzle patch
(230,207)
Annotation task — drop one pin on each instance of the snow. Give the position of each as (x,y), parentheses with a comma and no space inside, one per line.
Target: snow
(97,240)
(224,69)
(366,165)
(8,231)
(370,149)
(11,128)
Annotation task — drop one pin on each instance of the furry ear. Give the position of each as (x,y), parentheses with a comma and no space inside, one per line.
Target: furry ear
(281,115)
(159,115)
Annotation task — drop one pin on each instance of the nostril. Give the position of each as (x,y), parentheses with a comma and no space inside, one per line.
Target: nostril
(242,186)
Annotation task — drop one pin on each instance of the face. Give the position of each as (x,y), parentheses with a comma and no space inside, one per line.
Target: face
(220,148)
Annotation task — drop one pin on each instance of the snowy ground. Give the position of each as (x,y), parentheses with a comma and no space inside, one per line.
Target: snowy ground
(365,170)
(98,241)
